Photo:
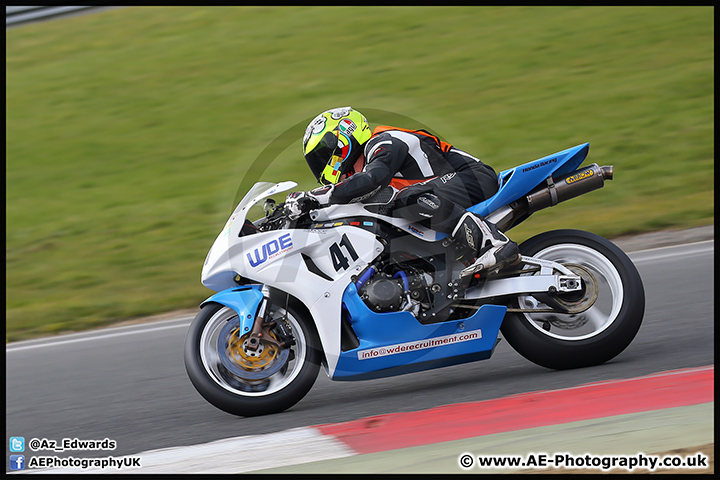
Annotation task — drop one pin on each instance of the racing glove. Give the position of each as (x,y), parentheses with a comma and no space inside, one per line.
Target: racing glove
(300,203)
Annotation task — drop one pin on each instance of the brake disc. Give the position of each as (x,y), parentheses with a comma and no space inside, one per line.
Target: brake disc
(266,360)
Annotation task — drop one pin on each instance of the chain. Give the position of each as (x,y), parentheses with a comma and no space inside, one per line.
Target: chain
(511,310)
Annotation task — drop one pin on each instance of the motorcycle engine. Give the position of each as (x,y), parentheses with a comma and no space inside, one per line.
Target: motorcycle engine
(382,293)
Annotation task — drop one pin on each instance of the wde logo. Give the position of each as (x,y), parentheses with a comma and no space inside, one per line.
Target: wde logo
(270,250)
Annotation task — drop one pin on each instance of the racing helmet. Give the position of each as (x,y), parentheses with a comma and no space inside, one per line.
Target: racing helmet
(333,142)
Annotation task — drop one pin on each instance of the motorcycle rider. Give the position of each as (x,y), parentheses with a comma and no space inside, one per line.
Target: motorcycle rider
(437,181)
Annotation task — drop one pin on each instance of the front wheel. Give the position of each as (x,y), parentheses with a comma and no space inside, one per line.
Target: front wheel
(248,382)
(611,285)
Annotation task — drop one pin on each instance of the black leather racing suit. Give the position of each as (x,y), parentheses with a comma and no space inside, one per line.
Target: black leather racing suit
(443,180)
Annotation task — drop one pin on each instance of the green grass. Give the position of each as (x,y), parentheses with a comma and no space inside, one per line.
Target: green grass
(132,131)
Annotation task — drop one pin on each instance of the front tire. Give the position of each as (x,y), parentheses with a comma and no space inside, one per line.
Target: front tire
(250,383)
(591,337)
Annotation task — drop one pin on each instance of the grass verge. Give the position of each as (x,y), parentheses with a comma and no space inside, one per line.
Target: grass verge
(130,131)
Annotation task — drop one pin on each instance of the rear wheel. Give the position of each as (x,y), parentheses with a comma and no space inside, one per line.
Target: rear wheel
(244,381)
(612,289)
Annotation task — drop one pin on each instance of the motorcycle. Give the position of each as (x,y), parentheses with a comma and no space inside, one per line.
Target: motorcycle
(367,295)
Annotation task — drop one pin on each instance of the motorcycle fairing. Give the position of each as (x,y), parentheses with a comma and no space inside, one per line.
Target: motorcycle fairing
(339,211)
(314,266)
(416,346)
(217,273)
(519,181)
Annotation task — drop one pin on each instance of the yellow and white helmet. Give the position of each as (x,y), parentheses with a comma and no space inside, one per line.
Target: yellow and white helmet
(333,141)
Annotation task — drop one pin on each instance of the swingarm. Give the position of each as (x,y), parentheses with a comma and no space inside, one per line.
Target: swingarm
(542,279)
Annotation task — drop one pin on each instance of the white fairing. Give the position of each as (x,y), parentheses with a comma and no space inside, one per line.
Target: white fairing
(217,274)
(275,258)
(356,209)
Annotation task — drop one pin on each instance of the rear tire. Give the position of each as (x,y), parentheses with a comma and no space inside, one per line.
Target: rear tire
(268,381)
(591,337)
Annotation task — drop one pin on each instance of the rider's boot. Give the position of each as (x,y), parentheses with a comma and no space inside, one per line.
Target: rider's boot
(490,247)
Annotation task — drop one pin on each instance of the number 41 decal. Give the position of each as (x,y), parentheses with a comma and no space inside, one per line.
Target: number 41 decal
(338,257)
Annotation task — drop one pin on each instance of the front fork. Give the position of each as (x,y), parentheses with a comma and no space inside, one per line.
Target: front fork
(252,304)
(261,328)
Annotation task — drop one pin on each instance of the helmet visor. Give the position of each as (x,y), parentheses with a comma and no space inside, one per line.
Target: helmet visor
(331,157)
(322,154)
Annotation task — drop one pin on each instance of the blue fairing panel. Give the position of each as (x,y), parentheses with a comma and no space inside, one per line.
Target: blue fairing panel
(244,300)
(521,180)
(396,343)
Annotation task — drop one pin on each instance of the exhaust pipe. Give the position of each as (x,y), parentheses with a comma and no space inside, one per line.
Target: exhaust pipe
(570,186)
(554,191)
